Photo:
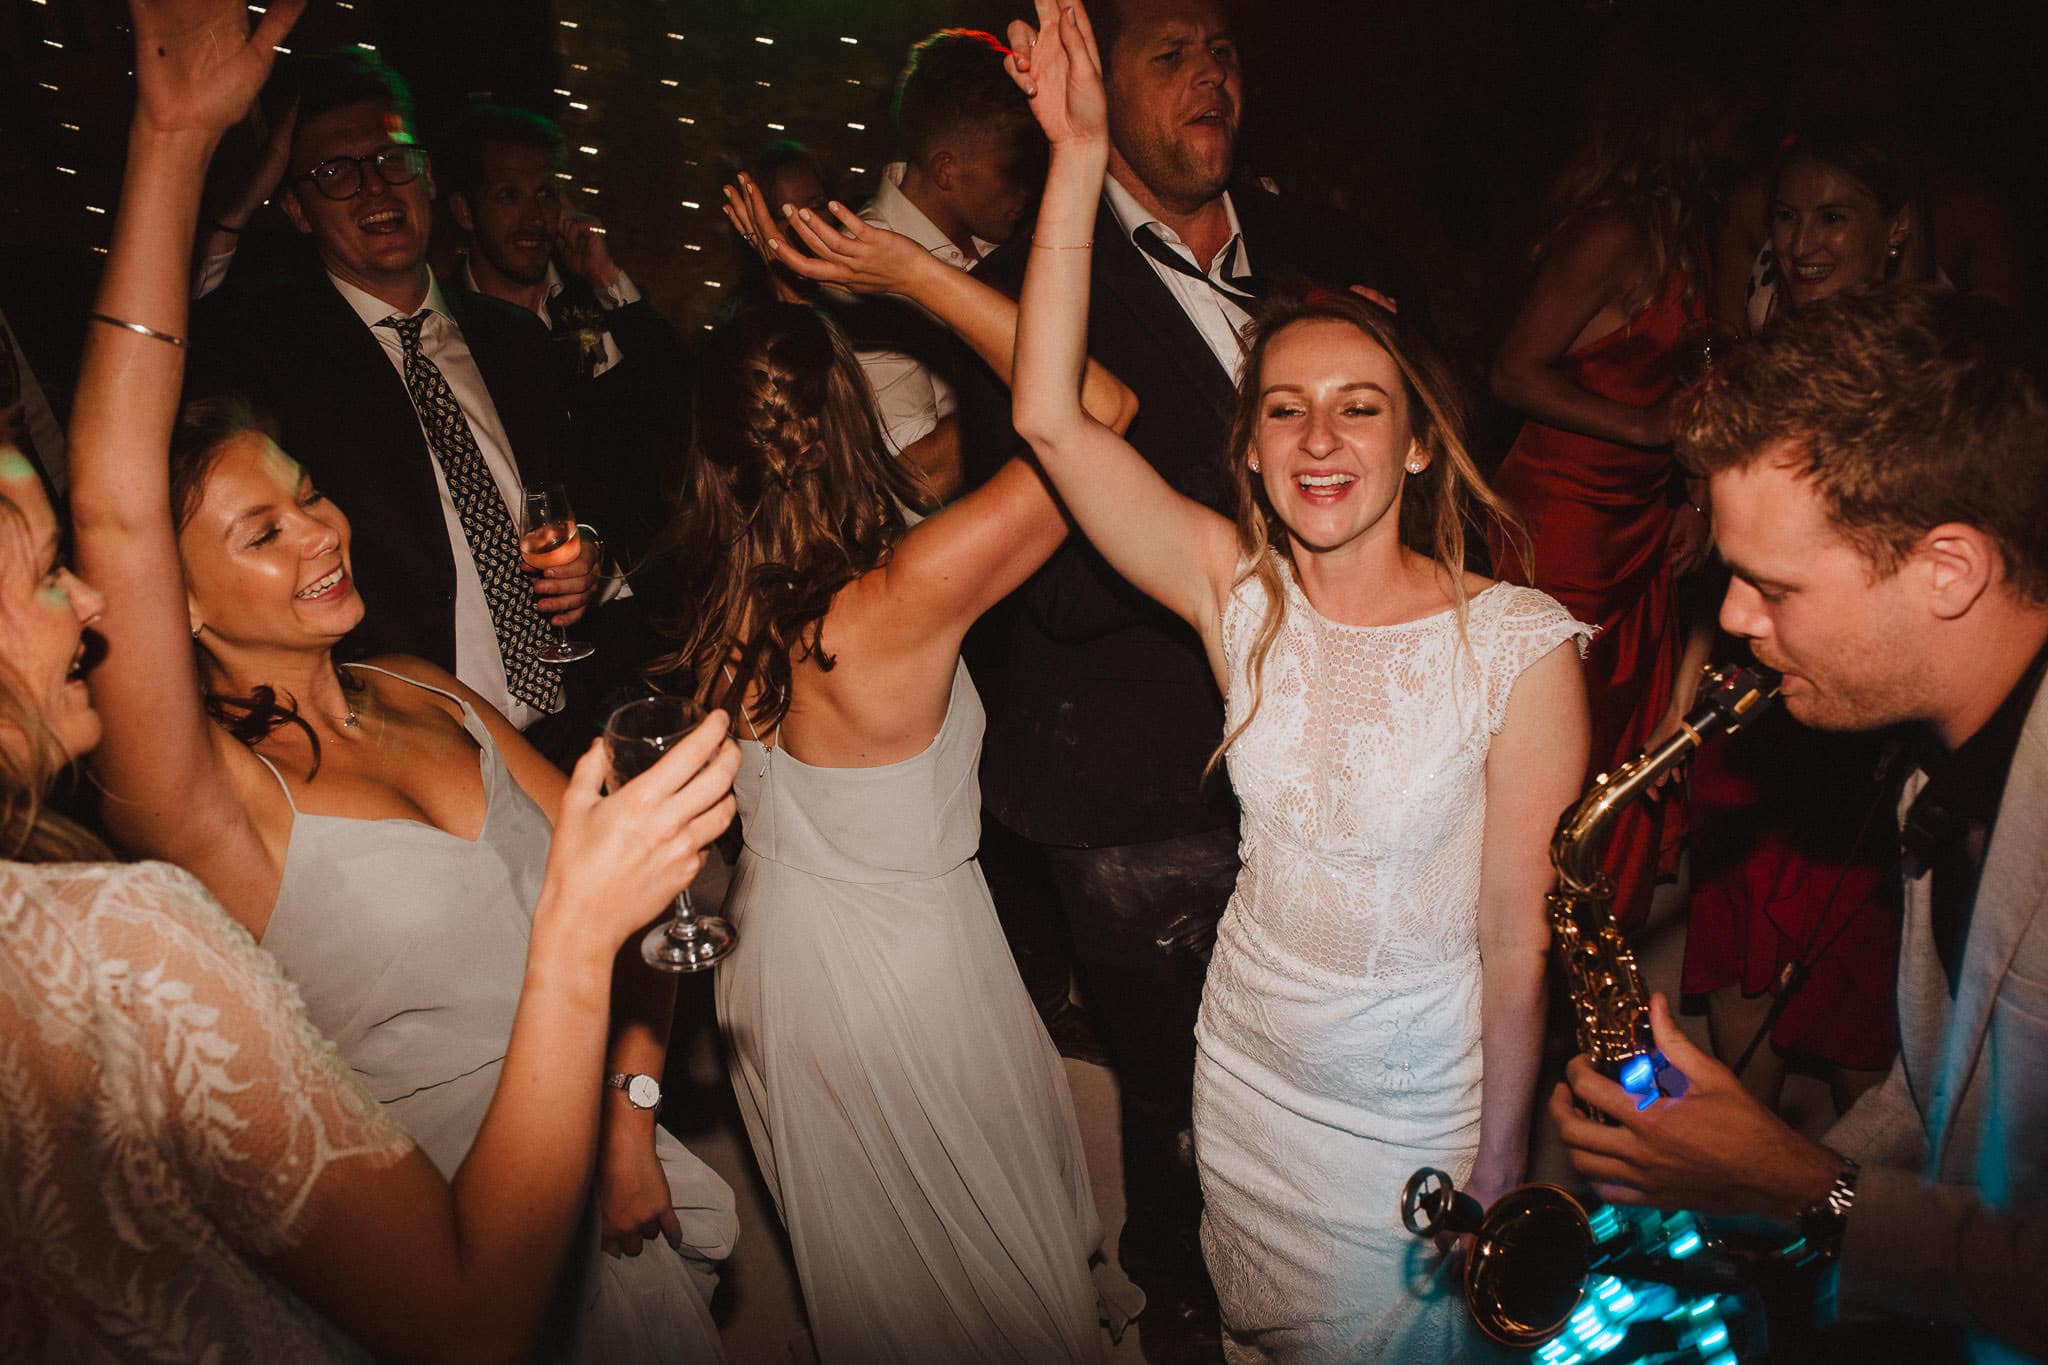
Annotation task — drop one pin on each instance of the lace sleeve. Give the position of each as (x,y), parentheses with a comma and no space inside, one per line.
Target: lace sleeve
(255,1107)
(1520,628)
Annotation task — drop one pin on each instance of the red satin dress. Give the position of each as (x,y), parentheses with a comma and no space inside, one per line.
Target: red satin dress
(1598,515)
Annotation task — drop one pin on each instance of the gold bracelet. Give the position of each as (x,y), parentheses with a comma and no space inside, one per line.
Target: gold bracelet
(136,328)
(1054,246)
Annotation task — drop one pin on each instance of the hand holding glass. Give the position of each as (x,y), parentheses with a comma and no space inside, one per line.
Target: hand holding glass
(637,735)
(548,537)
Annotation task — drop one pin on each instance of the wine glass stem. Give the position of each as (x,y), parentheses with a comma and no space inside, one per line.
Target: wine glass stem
(684,923)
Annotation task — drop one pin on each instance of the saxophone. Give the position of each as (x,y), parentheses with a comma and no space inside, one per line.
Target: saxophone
(1609,1004)
(1541,1260)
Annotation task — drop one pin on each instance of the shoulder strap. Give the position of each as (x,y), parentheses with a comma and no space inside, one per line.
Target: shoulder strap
(745,719)
(471,721)
(282,784)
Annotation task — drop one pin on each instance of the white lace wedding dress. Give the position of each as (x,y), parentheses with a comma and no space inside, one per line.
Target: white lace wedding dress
(166,1112)
(1339,1033)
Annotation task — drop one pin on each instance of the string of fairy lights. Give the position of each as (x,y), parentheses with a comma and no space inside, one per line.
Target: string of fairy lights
(696,101)
(659,104)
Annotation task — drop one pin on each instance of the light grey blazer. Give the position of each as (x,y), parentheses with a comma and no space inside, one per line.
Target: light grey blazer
(1951,1214)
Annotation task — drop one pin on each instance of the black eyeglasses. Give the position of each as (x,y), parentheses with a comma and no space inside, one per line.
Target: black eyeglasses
(341,177)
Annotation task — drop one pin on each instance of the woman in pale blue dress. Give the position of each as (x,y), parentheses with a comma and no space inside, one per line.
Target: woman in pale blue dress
(380,829)
(909,1113)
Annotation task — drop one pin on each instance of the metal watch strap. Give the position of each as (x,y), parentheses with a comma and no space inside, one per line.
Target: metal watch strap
(1823,1222)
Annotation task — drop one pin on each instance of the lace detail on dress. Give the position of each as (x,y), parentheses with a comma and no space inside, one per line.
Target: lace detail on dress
(165,1110)
(1362,778)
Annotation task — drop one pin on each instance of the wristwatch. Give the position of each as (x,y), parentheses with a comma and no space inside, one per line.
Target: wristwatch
(1823,1222)
(642,1090)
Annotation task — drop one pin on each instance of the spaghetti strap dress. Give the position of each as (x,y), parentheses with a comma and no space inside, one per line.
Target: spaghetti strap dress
(907,1110)
(1599,516)
(408,946)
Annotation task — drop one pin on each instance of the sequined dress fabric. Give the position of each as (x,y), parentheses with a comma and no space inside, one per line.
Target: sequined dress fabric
(1339,1034)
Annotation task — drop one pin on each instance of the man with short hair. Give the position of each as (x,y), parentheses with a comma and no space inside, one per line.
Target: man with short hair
(422,411)
(621,360)
(973,160)
(1101,731)
(1880,494)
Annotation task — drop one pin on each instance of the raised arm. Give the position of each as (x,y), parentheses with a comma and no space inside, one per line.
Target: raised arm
(1171,547)
(868,260)
(168,790)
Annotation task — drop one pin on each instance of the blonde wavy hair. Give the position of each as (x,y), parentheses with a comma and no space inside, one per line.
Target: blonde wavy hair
(790,492)
(1441,507)
(29,831)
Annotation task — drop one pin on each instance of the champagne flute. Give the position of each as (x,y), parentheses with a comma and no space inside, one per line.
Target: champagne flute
(637,735)
(548,535)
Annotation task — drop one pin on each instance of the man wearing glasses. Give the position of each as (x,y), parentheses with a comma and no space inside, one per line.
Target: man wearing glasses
(422,410)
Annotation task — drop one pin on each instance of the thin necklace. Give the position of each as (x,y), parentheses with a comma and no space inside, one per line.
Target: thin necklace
(351,721)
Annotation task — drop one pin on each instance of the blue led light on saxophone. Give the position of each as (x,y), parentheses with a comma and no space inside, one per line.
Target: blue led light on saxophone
(1622,1321)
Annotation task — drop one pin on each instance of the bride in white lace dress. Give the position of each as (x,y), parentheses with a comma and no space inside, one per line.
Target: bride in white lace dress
(1401,734)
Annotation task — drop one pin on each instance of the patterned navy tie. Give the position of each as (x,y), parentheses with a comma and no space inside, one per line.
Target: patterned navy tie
(493,540)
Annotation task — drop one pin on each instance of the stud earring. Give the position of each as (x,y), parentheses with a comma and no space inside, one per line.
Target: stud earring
(1415,466)
(1894,251)
(1255,466)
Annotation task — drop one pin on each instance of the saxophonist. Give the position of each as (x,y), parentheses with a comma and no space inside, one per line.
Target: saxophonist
(1879,479)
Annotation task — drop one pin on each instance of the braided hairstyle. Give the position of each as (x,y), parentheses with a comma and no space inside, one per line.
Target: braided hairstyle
(790,492)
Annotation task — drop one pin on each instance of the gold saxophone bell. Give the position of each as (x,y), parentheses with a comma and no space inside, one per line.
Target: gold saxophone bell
(1526,1272)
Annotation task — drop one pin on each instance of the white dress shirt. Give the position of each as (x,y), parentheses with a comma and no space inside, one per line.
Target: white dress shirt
(909,398)
(478,661)
(1219,319)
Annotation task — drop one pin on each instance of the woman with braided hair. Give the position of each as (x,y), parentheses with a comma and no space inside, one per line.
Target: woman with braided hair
(909,1113)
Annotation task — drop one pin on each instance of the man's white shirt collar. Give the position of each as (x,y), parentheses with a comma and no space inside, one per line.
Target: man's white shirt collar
(892,208)
(373,310)
(1133,216)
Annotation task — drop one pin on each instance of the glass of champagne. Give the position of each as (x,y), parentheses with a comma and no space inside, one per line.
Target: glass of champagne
(548,536)
(637,735)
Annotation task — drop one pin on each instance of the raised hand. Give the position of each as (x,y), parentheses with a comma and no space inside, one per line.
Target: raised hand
(621,858)
(581,241)
(197,66)
(746,208)
(859,256)
(1058,67)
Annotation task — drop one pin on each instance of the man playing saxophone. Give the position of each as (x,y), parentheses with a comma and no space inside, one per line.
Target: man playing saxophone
(1879,479)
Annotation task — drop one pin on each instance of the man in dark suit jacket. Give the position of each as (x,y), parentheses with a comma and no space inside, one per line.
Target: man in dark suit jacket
(1105,714)
(623,363)
(319,351)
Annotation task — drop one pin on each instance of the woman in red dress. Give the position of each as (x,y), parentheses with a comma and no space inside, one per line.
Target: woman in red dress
(1592,359)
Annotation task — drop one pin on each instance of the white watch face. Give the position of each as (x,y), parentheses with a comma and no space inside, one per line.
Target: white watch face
(643,1091)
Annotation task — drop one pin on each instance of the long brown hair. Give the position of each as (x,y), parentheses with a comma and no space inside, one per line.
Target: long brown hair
(29,831)
(790,492)
(1440,506)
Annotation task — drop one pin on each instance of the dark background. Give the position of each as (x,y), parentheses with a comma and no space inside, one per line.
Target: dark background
(1436,121)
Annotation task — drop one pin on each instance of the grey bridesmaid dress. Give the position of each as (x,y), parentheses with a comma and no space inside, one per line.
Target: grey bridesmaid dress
(906,1107)
(408,945)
